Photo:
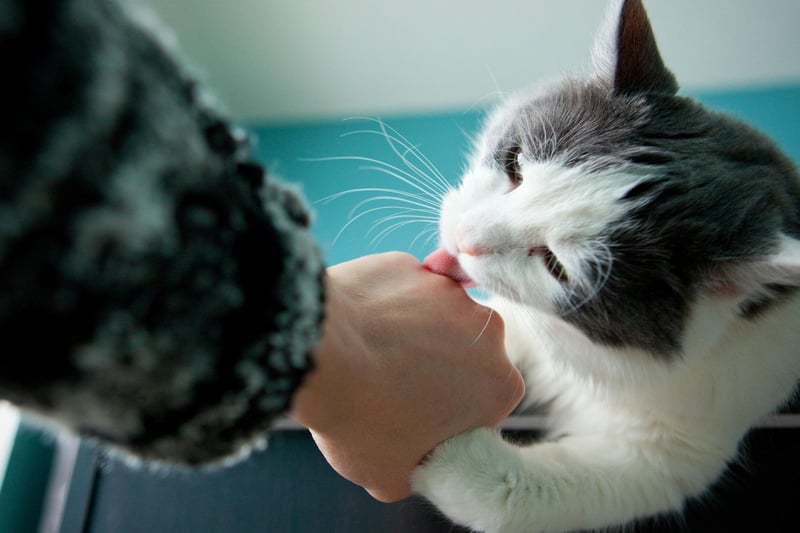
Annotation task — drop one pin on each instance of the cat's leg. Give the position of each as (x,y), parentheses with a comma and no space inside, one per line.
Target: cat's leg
(577,482)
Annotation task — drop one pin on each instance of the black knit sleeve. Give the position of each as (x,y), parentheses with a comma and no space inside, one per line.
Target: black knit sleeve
(157,291)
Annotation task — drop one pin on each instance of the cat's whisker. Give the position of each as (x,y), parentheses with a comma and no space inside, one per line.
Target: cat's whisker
(439,182)
(434,234)
(486,325)
(405,213)
(389,169)
(604,274)
(435,196)
(436,183)
(422,206)
(421,157)
(400,220)
(431,233)
(404,176)
(553,139)
(361,215)
(397,192)
(601,265)
(396,139)
(388,231)
(406,205)
(544,137)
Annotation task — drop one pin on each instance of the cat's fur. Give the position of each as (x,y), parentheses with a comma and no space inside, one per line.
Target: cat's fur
(643,252)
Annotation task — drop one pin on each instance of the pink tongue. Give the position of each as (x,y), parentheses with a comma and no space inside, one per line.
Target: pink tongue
(440,262)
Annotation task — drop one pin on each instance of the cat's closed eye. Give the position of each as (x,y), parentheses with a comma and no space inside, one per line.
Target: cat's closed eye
(551,262)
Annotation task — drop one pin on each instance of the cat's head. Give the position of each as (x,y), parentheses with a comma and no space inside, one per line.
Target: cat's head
(616,204)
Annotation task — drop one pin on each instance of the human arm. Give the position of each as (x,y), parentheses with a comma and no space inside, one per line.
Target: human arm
(153,294)
(406,360)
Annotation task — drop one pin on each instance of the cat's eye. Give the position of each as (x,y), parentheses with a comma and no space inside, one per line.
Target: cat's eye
(511,165)
(554,266)
(516,177)
(551,263)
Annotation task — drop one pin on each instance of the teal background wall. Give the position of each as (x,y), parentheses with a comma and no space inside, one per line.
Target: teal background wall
(300,154)
(26,479)
(297,153)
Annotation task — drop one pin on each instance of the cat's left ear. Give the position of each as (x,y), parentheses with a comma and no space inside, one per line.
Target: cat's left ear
(759,278)
(626,58)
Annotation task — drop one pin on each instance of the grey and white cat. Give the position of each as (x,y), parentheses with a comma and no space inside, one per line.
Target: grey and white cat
(644,253)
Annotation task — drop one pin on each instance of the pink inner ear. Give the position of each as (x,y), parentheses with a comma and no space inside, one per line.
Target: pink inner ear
(442,263)
(726,290)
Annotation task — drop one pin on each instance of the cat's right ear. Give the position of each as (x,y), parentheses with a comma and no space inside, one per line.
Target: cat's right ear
(626,59)
(759,278)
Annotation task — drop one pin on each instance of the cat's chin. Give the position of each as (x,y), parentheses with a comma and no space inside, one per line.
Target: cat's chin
(442,263)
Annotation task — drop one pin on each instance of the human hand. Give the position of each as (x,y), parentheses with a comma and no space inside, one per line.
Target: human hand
(406,361)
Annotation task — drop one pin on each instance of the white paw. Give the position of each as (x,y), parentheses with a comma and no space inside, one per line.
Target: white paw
(470,478)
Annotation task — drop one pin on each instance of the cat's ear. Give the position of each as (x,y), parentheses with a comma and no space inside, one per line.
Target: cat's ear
(761,278)
(626,59)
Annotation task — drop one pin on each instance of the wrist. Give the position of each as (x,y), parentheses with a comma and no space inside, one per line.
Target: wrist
(321,402)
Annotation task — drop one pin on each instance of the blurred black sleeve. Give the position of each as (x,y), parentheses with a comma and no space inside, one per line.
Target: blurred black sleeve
(156,290)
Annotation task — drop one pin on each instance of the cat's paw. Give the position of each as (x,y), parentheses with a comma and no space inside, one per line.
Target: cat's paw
(470,478)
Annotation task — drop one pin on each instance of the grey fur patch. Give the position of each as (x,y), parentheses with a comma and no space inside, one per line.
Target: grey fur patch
(716,192)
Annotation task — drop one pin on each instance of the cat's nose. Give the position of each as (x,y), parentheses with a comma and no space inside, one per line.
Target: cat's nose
(467,250)
(465,247)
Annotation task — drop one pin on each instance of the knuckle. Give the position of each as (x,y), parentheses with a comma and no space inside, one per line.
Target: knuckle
(400,257)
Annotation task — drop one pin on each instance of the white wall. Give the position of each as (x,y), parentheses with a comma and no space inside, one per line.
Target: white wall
(300,59)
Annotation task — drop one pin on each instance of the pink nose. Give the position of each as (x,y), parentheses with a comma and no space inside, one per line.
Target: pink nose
(467,250)
(465,247)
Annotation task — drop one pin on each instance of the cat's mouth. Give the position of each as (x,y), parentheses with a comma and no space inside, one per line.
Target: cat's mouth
(442,263)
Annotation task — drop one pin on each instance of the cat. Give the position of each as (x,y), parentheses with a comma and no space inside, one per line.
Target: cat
(644,253)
